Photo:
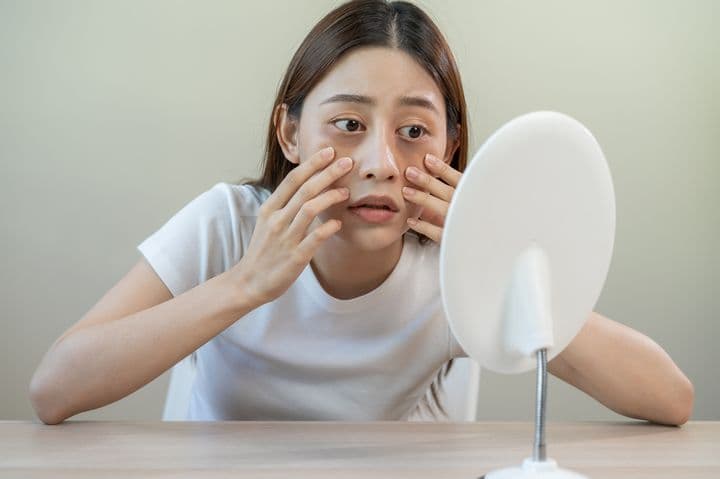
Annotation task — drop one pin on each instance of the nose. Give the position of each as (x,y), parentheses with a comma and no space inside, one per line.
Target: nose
(377,159)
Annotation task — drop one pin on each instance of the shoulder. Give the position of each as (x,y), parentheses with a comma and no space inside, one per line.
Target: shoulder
(223,205)
(426,252)
(237,199)
(225,213)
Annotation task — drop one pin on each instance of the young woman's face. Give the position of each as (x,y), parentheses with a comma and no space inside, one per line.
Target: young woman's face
(382,109)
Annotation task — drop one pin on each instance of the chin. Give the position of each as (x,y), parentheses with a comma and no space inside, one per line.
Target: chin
(371,239)
(365,236)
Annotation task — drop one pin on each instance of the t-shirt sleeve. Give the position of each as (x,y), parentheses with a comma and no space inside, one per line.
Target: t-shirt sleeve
(199,242)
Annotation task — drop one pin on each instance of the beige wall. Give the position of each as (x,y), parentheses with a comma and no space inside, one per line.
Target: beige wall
(113,115)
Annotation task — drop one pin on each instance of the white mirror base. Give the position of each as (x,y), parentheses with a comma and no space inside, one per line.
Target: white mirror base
(531,469)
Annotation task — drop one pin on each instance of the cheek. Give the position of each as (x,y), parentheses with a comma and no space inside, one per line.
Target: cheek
(315,138)
(414,211)
(414,153)
(311,139)
(344,145)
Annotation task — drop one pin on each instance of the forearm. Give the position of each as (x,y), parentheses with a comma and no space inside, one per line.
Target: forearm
(102,363)
(626,371)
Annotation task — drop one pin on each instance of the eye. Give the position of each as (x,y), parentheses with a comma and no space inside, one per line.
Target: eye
(413,131)
(348,124)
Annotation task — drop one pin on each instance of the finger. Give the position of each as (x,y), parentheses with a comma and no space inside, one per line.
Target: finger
(311,209)
(297,177)
(431,231)
(316,185)
(307,247)
(432,218)
(443,170)
(435,205)
(429,183)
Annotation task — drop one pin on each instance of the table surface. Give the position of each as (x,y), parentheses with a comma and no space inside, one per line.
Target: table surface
(80,449)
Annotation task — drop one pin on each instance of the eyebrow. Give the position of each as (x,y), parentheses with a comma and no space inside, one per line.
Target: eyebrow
(366,100)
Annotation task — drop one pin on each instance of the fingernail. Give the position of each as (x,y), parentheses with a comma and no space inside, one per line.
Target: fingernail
(432,161)
(413,173)
(344,163)
(412,221)
(408,191)
(327,152)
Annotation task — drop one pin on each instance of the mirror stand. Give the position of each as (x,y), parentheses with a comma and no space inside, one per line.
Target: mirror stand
(538,466)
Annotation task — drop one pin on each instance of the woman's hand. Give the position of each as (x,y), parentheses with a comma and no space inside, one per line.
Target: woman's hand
(435,195)
(281,245)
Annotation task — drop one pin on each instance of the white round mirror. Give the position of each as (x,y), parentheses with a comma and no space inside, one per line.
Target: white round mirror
(524,254)
(539,180)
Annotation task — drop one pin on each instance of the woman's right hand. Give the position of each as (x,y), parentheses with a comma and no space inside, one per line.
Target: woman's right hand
(281,245)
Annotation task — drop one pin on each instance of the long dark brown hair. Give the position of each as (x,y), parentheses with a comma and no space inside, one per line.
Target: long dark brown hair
(369,23)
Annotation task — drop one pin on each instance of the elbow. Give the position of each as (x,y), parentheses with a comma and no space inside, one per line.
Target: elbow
(45,403)
(680,409)
(685,403)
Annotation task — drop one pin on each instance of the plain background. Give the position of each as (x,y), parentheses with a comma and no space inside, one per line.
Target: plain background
(113,115)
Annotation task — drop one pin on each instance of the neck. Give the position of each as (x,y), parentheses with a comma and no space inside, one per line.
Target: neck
(335,258)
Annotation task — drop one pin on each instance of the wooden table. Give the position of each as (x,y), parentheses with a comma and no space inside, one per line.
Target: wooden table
(350,450)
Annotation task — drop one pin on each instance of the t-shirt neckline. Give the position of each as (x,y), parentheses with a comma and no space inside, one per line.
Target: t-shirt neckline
(392,284)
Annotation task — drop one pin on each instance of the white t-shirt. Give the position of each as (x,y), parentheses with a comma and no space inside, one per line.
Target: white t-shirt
(306,355)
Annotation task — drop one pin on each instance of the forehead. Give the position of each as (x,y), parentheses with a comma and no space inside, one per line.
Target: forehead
(384,74)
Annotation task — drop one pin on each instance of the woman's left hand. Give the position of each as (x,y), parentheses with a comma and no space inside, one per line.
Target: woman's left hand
(432,194)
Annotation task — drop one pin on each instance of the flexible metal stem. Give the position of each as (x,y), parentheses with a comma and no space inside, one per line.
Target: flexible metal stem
(540,400)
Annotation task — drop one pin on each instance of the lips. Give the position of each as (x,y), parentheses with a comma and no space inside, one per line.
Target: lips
(376,202)
(374,209)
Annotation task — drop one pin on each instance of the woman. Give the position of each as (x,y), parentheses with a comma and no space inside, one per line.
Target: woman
(312,292)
